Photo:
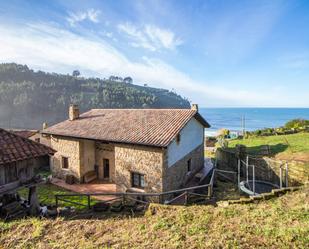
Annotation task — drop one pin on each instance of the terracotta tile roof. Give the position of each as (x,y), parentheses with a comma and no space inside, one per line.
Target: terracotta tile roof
(155,127)
(24,133)
(15,148)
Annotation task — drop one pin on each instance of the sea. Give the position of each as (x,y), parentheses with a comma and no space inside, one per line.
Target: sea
(254,118)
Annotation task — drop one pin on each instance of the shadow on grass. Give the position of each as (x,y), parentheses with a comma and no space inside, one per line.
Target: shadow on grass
(273,149)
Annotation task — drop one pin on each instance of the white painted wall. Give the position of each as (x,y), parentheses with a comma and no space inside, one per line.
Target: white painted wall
(191,136)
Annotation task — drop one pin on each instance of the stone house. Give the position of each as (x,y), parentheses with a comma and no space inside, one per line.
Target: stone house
(151,150)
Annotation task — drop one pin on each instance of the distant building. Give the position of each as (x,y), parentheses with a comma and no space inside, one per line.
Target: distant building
(33,135)
(150,150)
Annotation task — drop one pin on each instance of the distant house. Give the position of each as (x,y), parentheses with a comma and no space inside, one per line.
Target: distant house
(150,150)
(19,158)
(30,134)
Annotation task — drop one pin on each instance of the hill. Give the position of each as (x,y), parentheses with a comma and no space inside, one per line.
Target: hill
(29,98)
(286,147)
(276,223)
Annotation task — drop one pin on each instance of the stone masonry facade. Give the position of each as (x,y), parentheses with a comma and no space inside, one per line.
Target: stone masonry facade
(177,174)
(144,160)
(152,162)
(70,148)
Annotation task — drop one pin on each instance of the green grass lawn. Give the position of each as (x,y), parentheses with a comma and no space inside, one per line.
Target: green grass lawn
(284,145)
(47,192)
(277,223)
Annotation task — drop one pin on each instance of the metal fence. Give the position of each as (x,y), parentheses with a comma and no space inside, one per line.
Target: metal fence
(182,196)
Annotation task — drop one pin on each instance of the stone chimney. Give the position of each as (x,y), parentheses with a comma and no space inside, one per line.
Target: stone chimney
(194,107)
(73,112)
(45,125)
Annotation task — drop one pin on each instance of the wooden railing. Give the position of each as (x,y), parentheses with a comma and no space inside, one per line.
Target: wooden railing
(140,197)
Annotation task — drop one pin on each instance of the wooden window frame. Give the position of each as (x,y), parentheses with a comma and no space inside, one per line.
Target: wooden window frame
(65,162)
(141,180)
(178,138)
(189,165)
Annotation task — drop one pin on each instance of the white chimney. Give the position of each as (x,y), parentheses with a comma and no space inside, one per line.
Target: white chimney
(45,125)
(194,107)
(73,112)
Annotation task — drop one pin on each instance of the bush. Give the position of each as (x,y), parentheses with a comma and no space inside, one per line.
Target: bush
(297,124)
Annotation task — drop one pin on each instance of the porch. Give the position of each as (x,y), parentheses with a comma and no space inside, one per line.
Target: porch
(96,186)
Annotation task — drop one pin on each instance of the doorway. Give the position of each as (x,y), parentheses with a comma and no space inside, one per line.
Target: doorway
(106,168)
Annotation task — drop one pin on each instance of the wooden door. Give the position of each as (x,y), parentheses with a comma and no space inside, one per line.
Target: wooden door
(105,168)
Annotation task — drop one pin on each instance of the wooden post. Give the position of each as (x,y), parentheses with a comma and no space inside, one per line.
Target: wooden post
(247,168)
(186,197)
(253,176)
(286,174)
(280,175)
(88,198)
(33,201)
(238,174)
(56,201)
(210,190)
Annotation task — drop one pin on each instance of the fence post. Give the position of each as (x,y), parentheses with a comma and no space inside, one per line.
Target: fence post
(280,175)
(88,199)
(209,190)
(286,174)
(247,168)
(56,200)
(253,176)
(238,175)
(186,197)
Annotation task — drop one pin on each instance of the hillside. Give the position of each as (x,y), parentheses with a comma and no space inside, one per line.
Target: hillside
(286,147)
(29,98)
(276,223)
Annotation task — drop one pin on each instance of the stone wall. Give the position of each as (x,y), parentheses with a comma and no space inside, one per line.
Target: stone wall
(87,160)
(177,174)
(69,148)
(141,159)
(105,151)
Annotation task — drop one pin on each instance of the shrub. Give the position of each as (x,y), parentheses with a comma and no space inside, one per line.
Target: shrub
(297,124)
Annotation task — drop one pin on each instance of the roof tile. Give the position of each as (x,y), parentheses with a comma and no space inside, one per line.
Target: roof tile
(155,127)
(15,148)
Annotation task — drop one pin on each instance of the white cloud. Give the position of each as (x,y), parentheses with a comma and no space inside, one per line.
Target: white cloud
(91,15)
(297,61)
(50,48)
(150,37)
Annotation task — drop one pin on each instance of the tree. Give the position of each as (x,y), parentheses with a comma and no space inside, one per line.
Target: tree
(128,80)
(76,73)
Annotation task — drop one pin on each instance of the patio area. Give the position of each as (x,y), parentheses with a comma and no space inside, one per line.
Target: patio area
(96,186)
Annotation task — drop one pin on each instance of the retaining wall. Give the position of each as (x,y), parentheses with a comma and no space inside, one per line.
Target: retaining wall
(267,169)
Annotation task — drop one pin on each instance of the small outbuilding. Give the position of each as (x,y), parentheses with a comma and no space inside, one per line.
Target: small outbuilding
(20,159)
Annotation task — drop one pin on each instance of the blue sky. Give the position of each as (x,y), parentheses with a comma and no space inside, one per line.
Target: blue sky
(216,53)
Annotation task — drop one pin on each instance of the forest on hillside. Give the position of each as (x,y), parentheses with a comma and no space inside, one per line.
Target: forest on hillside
(28,98)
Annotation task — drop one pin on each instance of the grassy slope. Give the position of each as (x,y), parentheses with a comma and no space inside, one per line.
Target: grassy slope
(277,223)
(295,146)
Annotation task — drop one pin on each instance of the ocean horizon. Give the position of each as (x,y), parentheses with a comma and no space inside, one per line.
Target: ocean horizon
(255,117)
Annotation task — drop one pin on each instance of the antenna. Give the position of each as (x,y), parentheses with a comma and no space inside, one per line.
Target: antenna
(243,124)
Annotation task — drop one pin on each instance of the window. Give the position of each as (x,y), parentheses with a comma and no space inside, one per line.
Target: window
(138,180)
(65,162)
(189,165)
(178,138)
(37,140)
